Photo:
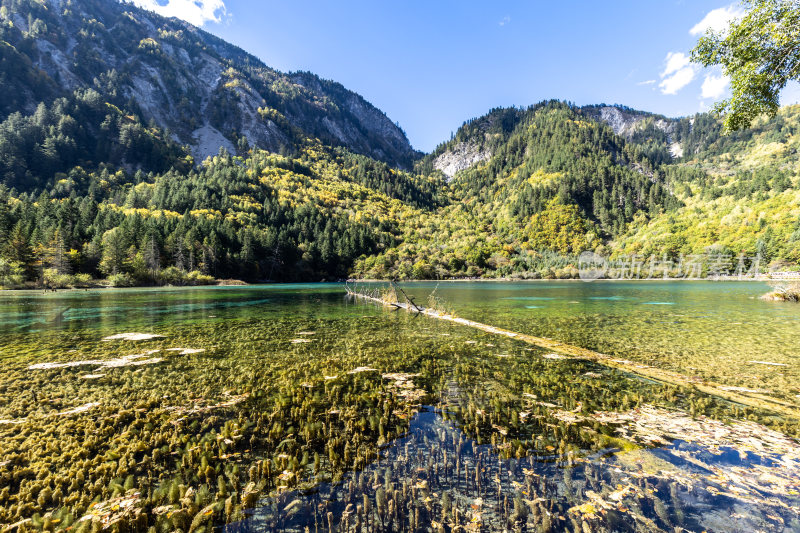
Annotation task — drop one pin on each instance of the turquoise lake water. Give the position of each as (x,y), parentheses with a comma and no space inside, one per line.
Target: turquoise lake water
(276,407)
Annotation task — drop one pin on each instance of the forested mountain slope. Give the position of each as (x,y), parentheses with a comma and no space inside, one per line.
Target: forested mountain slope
(551,183)
(266,217)
(98,180)
(553,180)
(741,195)
(158,75)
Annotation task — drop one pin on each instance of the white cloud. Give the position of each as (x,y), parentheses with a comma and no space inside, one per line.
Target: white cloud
(196,12)
(505,21)
(675,62)
(677,74)
(717,19)
(676,82)
(714,86)
(678,68)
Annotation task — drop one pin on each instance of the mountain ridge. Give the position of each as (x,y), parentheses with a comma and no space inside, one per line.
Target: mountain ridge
(95,182)
(186,80)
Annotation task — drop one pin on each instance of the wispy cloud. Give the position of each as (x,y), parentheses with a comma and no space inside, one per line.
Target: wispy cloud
(678,69)
(717,19)
(196,12)
(505,21)
(677,74)
(714,86)
(675,61)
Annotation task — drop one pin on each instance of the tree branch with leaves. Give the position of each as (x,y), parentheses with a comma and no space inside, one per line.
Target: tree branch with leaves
(760,53)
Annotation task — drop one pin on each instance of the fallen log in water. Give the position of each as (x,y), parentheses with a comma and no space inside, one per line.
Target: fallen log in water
(731,394)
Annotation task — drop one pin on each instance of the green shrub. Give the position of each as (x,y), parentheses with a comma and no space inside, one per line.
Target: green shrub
(121,280)
(198,278)
(12,275)
(52,279)
(82,280)
(172,276)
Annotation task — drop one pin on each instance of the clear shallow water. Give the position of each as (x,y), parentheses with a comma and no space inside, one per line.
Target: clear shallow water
(107,309)
(267,408)
(712,330)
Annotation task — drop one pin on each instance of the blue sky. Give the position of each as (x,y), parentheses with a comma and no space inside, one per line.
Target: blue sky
(432,65)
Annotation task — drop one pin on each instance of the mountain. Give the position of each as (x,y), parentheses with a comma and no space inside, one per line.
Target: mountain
(523,158)
(110,166)
(165,73)
(740,194)
(664,139)
(547,178)
(681,189)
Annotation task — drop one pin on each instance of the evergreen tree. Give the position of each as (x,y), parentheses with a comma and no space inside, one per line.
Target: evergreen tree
(114,252)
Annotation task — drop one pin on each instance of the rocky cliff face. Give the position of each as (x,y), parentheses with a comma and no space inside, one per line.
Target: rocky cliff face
(474,142)
(627,123)
(207,93)
(460,157)
(621,121)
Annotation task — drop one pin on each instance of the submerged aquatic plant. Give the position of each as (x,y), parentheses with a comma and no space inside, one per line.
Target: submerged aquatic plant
(385,421)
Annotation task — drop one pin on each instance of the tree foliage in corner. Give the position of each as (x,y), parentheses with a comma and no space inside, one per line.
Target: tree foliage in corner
(761,54)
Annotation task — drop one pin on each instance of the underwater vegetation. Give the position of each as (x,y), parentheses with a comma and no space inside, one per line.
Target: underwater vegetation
(712,331)
(309,413)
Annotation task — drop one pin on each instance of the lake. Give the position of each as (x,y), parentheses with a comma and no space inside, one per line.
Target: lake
(286,407)
(712,330)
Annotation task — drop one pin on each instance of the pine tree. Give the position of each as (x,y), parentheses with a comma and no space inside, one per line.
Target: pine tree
(55,254)
(114,252)
(179,255)
(18,250)
(152,257)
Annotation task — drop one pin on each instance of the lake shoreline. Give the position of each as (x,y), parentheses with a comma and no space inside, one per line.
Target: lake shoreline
(104,285)
(546,280)
(239,283)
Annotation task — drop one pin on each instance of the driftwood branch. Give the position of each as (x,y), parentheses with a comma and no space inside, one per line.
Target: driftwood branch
(750,399)
(406,296)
